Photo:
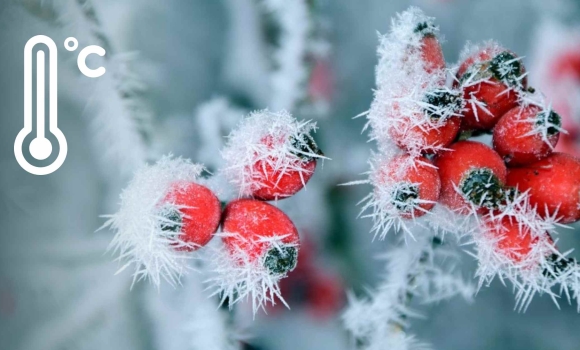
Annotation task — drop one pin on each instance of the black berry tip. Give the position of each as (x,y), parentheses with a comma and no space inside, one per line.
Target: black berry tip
(551,120)
(405,196)
(443,103)
(558,265)
(281,260)
(506,67)
(172,220)
(482,187)
(305,147)
(425,29)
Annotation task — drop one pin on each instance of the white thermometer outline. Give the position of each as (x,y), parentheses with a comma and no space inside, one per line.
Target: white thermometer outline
(40,147)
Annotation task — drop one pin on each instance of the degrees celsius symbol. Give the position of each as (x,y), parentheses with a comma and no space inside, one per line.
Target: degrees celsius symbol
(41,147)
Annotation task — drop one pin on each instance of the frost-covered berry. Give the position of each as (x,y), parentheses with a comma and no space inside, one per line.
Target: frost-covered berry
(404,187)
(431,52)
(553,184)
(432,127)
(260,247)
(514,239)
(472,176)
(255,225)
(526,134)
(408,185)
(413,106)
(164,214)
(191,210)
(491,78)
(278,183)
(271,155)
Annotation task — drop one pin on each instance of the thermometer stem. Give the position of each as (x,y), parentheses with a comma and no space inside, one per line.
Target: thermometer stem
(40,94)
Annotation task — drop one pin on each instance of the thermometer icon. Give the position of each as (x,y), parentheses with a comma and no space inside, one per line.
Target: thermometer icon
(40,147)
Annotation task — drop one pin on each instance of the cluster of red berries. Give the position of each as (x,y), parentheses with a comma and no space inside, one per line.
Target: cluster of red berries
(249,224)
(489,95)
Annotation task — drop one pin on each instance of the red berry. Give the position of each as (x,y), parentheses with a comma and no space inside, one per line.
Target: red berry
(253,225)
(515,240)
(281,183)
(413,186)
(275,181)
(194,211)
(490,78)
(567,65)
(320,85)
(443,107)
(569,145)
(431,52)
(325,295)
(526,134)
(477,172)
(553,184)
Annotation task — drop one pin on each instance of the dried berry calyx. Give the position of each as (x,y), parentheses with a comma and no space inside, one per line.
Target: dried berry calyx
(172,220)
(558,264)
(443,103)
(551,121)
(281,260)
(405,197)
(482,187)
(425,28)
(506,67)
(305,147)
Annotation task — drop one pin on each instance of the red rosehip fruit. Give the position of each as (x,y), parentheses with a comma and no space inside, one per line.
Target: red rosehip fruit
(526,134)
(431,52)
(569,145)
(471,174)
(412,186)
(490,79)
(275,181)
(252,226)
(442,107)
(515,241)
(194,211)
(553,184)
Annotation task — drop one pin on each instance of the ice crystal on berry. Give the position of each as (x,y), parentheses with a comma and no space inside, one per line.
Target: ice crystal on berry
(529,258)
(238,275)
(547,123)
(267,144)
(491,60)
(394,202)
(147,234)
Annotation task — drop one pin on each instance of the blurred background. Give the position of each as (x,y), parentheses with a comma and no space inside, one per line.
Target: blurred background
(180,74)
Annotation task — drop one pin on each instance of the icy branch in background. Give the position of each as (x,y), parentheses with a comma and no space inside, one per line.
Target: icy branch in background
(290,28)
(380,321)
(120,119)
(214,120)
(186,318)
(141,239)
(207,327)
